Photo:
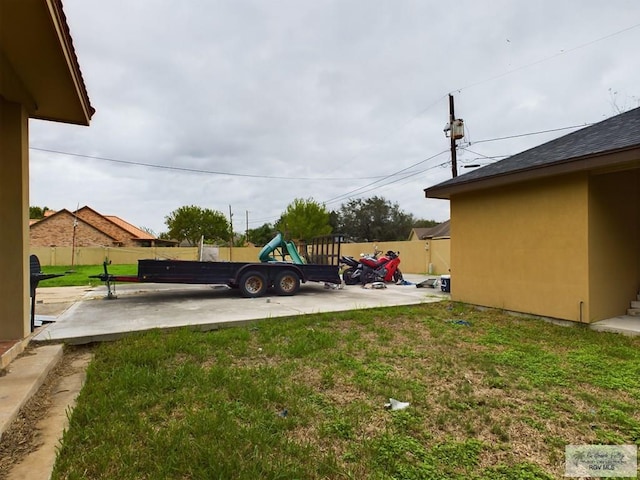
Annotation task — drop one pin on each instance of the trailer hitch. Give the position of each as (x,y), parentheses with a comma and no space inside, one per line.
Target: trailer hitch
(108,279)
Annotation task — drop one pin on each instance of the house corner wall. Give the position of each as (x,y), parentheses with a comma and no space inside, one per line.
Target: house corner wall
(14,219)
(523,247)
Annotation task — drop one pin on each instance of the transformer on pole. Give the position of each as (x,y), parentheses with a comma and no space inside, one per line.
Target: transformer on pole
(454,130)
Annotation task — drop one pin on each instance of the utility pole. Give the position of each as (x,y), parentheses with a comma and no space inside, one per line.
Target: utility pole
(230,234)
(73,240)
(246,230)
(454,156)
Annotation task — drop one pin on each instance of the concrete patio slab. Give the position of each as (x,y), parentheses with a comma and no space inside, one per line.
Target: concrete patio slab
(141,307)
(624,324)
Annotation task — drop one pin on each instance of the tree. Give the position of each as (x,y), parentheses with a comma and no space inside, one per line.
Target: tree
(373,219)
(148,230)
(422,223)
(37,212)
(191,223)
(304,219)
(262,235)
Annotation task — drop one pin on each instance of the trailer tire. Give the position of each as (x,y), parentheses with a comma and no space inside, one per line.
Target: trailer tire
(287,283)
(253,284)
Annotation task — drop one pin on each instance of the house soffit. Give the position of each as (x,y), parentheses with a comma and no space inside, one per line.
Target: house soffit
(39,65)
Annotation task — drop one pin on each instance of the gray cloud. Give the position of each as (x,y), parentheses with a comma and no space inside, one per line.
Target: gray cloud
(350,89)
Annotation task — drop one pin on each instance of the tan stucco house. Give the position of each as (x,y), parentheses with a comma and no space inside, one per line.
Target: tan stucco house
(554,230)
(39,78)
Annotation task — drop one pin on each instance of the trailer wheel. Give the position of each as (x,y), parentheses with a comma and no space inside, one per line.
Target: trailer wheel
(253,284)
(287,283)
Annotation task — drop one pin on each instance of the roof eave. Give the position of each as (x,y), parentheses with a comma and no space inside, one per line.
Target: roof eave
(614,159)
(39,58)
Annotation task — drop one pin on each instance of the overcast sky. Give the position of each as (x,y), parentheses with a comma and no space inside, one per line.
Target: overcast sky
(268,101)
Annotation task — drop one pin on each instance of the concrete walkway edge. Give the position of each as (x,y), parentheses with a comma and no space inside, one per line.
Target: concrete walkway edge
(24,377)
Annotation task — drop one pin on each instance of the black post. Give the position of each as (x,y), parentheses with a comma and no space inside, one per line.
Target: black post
(454,158)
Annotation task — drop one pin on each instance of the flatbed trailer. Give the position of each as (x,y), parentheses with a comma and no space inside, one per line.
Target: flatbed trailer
(253,279)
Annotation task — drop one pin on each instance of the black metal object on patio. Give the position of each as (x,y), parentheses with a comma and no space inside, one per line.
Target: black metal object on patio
(36,277)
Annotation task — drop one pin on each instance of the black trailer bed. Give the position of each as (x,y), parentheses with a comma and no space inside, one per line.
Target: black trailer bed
(253,279)
(228,273)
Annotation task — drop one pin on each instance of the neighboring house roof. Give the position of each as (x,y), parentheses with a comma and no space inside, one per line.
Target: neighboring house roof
(111,226)
(64,212)
(123,233)
(133,230)
(585,149)
(440,230)
(418,232)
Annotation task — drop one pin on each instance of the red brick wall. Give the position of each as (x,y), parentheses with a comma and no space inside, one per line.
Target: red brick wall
(108,227)
(57,230)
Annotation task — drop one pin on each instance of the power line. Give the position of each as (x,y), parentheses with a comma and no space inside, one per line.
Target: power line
(196,170)
(409,175)
(551,57)
(412,174)
(531,133)
(365,189)
(483,156)
(522,67)
(362,190)
(346,195)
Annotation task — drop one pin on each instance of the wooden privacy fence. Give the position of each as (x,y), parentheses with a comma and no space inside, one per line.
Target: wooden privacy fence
(117,255)
(423,256)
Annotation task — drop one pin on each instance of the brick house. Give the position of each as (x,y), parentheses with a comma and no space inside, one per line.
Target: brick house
(87,228)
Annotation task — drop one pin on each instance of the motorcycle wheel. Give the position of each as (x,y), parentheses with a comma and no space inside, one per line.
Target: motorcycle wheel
(397,276)
(369,277)
(347,276)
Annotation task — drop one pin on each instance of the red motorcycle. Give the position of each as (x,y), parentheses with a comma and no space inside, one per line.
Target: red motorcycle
(383,269)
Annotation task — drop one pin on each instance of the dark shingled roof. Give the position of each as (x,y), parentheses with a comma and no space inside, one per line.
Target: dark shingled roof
(617,133)
(439,230)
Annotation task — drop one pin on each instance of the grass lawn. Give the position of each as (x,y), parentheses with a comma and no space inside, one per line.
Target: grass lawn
(78,275)
(492,396)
